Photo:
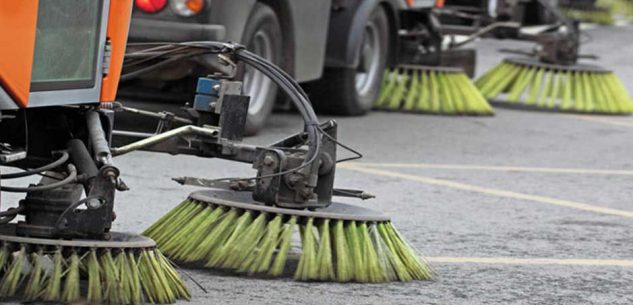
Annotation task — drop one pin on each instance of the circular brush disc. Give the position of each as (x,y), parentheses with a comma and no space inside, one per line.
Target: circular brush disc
(229,231)
(432,90)
(535,63)
(531,84)
(126,269)
(243,200)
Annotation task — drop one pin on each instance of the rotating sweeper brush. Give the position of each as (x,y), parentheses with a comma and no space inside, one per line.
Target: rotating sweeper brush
(249,225)
(551,77)
(430,78)
(432,90)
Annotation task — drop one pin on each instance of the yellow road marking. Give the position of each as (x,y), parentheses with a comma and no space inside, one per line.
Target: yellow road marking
(583,171)
(531,261)
(607,121)
(491,191)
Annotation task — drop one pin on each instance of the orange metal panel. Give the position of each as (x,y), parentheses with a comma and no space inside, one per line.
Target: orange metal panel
(118,28)
(18,23)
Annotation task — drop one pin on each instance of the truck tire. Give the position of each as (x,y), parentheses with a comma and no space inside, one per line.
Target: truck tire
(262,36)
(353,91)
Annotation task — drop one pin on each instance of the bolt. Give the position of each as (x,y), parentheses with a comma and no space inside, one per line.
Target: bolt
(269,161)
(216,87)
(93,203)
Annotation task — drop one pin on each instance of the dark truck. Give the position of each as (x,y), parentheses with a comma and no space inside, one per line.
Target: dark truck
(338,49)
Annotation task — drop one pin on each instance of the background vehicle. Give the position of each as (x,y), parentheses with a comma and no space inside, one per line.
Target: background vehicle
(337,49)
(341,47)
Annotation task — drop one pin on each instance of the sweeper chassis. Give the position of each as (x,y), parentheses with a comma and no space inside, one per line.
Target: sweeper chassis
(292,174)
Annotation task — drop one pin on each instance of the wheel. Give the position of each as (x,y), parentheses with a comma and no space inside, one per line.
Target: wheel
(353,91)
(263,37)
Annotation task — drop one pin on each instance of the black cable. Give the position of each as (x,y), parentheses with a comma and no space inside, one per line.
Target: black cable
(62,159)
(72,175)
(10,214)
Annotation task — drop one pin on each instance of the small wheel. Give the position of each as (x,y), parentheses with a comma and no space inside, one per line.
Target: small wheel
(262,36)
(353,91)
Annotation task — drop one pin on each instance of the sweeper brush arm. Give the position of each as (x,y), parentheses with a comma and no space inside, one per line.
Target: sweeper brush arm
(296,172)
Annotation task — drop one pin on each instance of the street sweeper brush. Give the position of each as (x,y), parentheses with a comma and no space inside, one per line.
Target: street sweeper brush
(576,88)
(127,269)
(433,90)
(344,243)
(597,15)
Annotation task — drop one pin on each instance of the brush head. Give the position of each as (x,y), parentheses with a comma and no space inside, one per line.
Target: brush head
(432,90)
(579,88)
(229,231)
(126,269)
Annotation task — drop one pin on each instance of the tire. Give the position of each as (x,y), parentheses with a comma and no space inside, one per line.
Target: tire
(352,91)
(262,36)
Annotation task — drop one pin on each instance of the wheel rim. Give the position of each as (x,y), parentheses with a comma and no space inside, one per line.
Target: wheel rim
(369,67)
(256,84)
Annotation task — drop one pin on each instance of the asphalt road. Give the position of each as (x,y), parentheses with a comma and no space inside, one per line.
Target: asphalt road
(521,208)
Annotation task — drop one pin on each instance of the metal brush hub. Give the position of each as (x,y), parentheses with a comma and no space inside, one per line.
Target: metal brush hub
(535,63)
(117,240)
(243,200)
(431,68)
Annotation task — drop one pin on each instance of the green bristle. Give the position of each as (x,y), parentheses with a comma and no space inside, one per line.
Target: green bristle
(415,267)
(424,98)
(153,279)
(238,227)
(240,254)
(35,284)
(173,278)
(189,244)
(134,284)
(325,269)
(414,89)
(263,254)
(518,88)
(178,237)
(4,256)
(388,85)
(95,294)
(125,276)
(344,268)
(375,273)
(11,279)
(351,234)
(445,93)
(216,237)
(459,99)
(535,87)
(383,253)
(395,100)
(165,233)
(505,82)
(567,90)
(52,292)
(113,290)
(307,268)
(283,247)
(167,218)
(396,263)
(555,90)
(485,79)
(435,92)
(72,291)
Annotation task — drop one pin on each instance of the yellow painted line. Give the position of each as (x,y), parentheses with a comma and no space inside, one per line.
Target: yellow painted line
(491,191)
(582,171)
(530,261)
(601,120)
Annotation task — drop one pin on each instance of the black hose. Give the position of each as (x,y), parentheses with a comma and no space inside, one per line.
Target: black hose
(62,159)
(10,214)
(72,176)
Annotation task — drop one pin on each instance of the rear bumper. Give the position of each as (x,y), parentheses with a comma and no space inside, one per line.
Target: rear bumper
(173,31)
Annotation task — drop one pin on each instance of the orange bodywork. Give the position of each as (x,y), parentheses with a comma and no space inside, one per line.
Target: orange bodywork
(18,26)
(118,28)
(18,23)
